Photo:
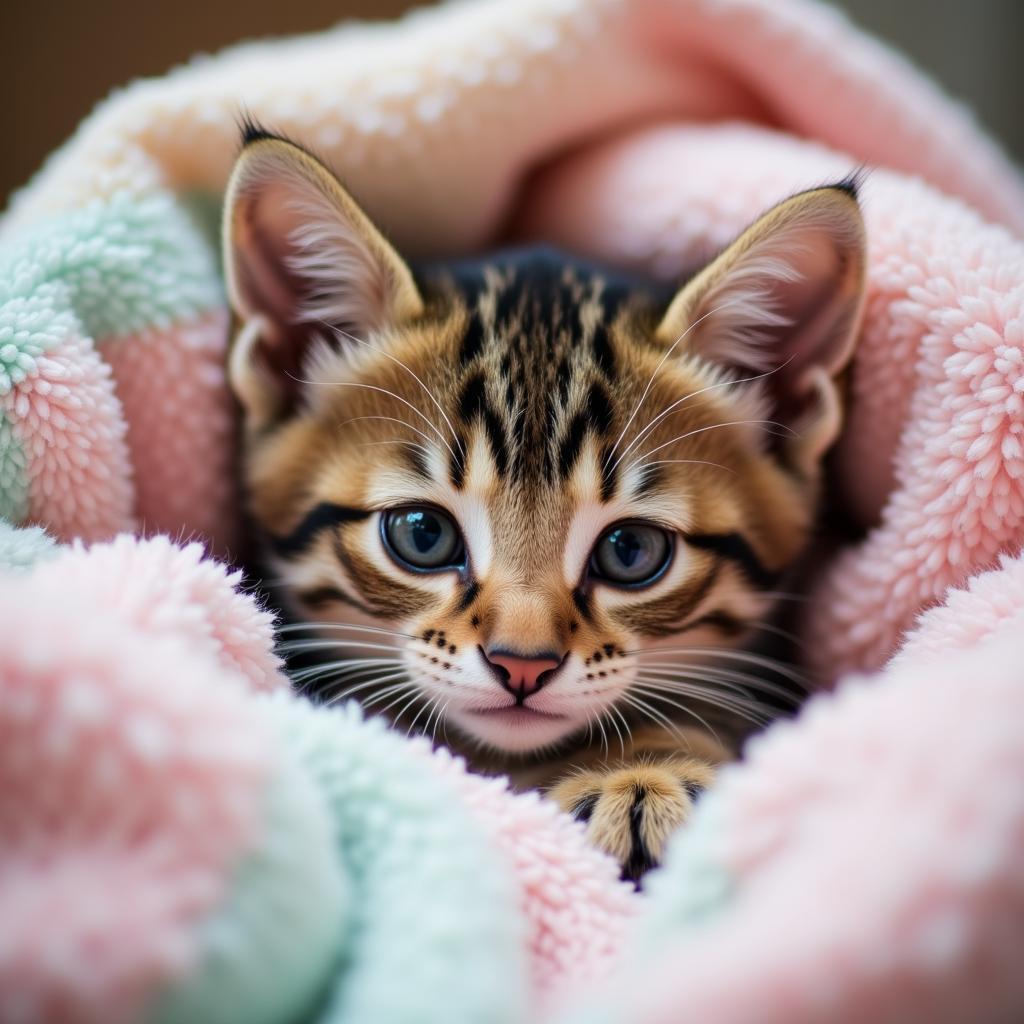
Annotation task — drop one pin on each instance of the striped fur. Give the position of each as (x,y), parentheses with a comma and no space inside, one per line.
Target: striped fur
(537,400)
(537,364)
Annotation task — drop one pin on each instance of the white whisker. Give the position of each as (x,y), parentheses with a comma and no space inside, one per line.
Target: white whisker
(749,710)
(652,691)
(695,684)
(369,684)
(403,683)
(734,679)
(444,721)
(383,391)
(762,661)
(767,627)
(404,688)
(633,700)
(321,691)
(625,724)
(657,370)
(599,721)
(611,711)
(377,681)
(406,444)
(408,370)
(358,645)
(344,665)
(749,716)
(343,626)
(319,679)
(369,674)
(298,646)
(638,461)
(435,717)
(429,703)
(396,717)
(693,394)
(690,462)
(390,419)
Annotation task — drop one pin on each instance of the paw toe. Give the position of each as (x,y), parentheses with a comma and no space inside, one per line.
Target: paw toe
(631,812)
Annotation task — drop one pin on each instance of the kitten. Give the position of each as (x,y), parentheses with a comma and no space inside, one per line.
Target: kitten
(524,499)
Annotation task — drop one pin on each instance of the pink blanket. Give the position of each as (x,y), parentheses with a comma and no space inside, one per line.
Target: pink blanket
(885,829)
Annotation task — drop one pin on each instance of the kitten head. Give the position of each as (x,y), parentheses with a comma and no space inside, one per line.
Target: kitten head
(535,475)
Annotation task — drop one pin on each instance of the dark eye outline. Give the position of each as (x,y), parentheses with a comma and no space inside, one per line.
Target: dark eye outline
(670,552)
(458,563)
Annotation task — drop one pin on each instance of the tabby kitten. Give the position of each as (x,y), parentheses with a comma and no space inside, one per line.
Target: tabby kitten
(525,499)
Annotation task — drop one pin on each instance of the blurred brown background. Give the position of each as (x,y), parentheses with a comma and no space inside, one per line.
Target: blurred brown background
(58,58)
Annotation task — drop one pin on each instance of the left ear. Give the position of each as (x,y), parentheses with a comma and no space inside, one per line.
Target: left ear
(784,300)
(300,258)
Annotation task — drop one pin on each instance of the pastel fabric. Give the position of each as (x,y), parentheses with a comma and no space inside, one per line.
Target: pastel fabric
(175,828)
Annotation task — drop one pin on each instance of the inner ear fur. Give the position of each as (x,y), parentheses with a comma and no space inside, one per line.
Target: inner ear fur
(783,302)
(302,263)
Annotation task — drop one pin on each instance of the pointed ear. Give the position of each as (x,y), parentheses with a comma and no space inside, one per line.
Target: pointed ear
(784,300)
(300,258)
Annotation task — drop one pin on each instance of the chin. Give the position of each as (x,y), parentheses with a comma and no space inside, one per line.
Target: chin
(514,730)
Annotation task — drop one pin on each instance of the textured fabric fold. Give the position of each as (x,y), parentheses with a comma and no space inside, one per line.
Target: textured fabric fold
(864,862)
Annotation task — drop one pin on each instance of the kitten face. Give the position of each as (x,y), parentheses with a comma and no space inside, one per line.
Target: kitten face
(516,464)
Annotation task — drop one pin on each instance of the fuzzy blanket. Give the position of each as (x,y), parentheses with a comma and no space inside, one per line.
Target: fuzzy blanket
(180,840)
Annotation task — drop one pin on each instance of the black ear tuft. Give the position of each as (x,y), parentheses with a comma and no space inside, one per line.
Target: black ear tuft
(252,131)
(853,182)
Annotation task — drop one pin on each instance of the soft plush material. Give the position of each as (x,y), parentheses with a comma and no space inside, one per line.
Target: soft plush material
(182,840)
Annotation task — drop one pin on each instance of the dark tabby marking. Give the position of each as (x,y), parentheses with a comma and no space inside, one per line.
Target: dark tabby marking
(596,445)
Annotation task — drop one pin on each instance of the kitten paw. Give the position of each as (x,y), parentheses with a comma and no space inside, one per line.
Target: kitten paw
(632,810)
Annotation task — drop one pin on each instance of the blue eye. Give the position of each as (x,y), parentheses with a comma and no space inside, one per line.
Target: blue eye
(631,554)
(422,538)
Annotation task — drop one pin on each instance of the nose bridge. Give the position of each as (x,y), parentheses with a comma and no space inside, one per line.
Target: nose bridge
(524,594)
(524,620)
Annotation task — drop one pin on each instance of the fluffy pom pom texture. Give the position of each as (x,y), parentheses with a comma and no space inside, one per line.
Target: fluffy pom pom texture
(180,841)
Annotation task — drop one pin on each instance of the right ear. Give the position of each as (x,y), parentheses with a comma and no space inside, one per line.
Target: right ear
(302,262)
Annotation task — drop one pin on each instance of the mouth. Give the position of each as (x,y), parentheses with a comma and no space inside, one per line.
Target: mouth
(514,728)
(515,714)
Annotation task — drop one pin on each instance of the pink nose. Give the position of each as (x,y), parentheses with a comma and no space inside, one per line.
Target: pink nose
(522,676)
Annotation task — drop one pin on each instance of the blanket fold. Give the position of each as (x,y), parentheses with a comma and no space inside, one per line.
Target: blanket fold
(148,753)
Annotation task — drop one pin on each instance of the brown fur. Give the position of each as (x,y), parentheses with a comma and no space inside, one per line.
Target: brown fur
(526,403)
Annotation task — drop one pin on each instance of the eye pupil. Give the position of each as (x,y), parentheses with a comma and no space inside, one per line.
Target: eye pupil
(627,547)
(422,538)
(425,529)
(633,554)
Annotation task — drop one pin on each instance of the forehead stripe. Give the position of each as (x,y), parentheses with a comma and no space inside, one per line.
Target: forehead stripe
(457,463)
(649,478)
(609,474)
(416,458)
(472,397)
(604,356)
(322,517)
(472,339)
(571,444)
(473,404)
(496,435)
(595,417)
